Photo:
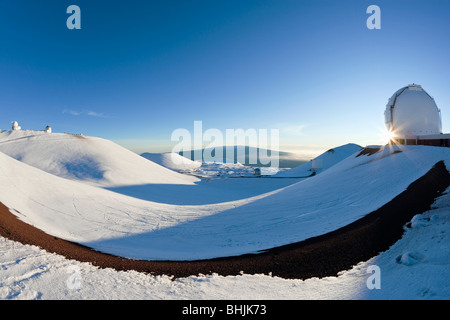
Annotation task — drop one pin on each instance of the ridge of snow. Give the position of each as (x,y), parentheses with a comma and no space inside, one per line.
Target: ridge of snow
(324,161)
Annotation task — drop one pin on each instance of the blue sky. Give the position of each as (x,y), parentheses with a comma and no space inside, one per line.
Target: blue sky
(138,70)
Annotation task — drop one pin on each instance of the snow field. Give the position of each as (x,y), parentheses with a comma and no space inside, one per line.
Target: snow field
(27,272)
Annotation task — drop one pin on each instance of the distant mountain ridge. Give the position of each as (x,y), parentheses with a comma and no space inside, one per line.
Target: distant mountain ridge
(246,156)
(323,162)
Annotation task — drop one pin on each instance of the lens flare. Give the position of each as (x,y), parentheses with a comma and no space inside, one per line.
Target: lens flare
(387,136)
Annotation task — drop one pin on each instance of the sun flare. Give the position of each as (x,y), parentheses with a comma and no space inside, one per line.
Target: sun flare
(387,135)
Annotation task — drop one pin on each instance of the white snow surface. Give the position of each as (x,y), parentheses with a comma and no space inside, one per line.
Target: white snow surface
(323,162)
(126,221)
(27,272)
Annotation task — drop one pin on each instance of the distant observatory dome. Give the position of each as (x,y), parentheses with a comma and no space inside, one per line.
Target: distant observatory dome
(412,112)
(15,126)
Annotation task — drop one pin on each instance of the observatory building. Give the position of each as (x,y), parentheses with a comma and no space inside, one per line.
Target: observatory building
(412,117)
(15,126)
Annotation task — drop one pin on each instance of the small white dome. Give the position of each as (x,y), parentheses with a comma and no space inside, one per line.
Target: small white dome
(411,111)
(15,125)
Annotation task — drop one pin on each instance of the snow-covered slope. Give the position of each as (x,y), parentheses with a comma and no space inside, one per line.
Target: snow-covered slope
(323,162)
(88,159)
(172,161)
(130,227)
(417,267)
(102,163)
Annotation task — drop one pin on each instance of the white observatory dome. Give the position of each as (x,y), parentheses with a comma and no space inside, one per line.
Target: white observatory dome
(412,112)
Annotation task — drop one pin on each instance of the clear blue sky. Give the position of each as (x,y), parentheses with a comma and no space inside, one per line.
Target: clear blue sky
(138,70)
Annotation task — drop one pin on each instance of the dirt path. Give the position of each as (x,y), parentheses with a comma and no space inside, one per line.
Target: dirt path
(321,256)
